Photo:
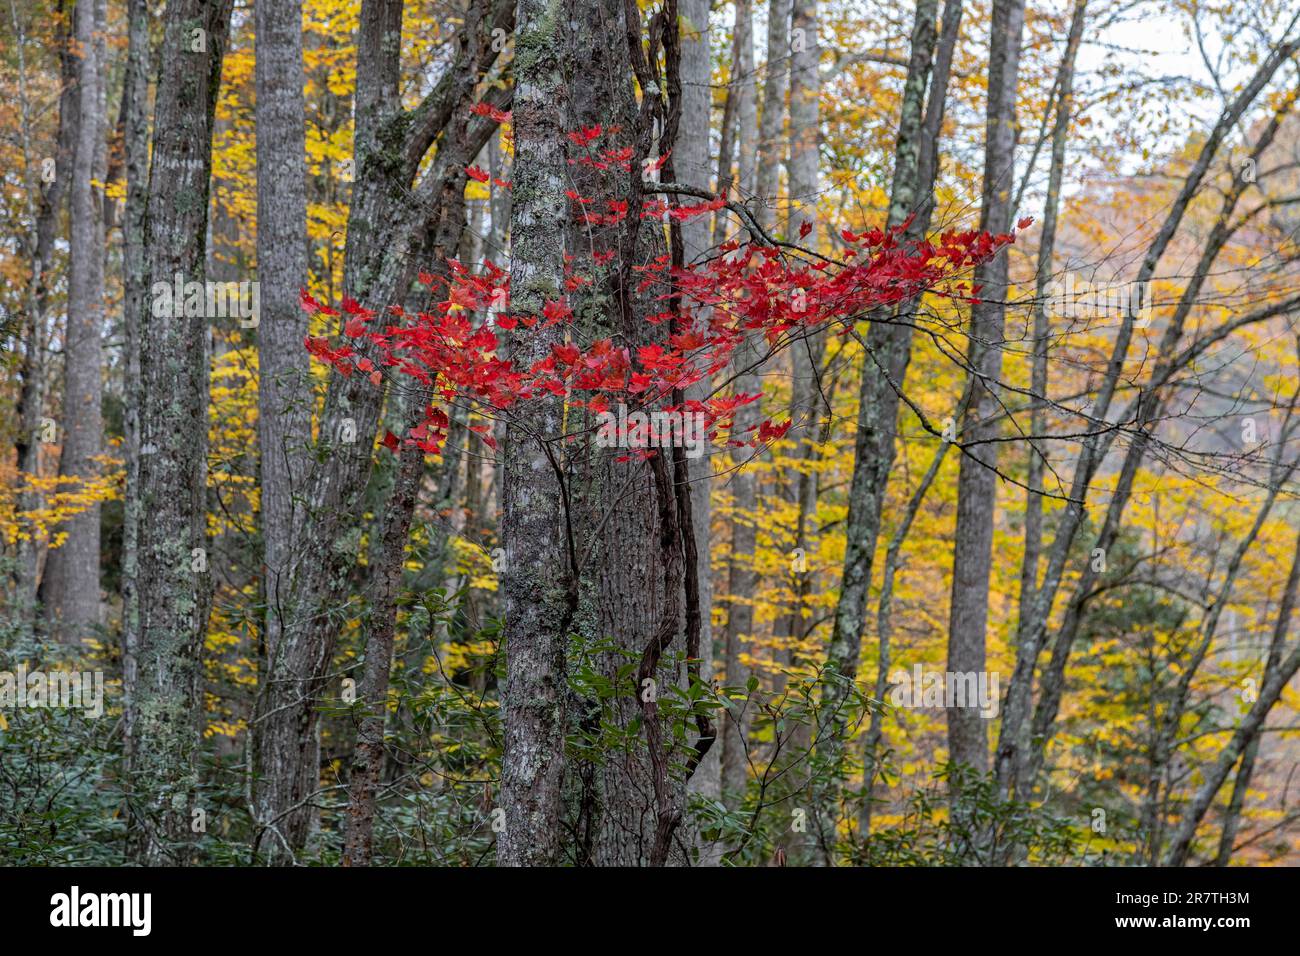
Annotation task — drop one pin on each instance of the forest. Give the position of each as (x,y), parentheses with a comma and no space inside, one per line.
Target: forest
(639,433)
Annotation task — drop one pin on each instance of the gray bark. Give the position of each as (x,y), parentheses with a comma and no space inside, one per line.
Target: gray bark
(805,118)
(389,214)
(71,585)
(807,350)
(174,597)
(499,204)
(1042,323)
(537,575)
(284,746)
(638,584)
(368,755)
(746,79)
(737,150)
(387,559)
(741,584)
(888,348)
(135,95)
(40,245)
(284,410)
(1232,815)
(690,158)
(691,151)
(884,633)
(772,123)
(977,480)
(804,188)
(742,577)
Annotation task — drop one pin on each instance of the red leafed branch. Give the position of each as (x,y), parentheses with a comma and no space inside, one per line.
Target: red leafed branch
(754,289)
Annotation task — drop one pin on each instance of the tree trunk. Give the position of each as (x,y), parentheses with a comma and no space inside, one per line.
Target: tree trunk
(742,576)
(1232,815)
(736,156)
(806,403)
(691,151)
(741,584)
(32,371)
(690,158)
(878,404)
(805,118)
(884,630)
(285,756)
(772,123)
(1029,567)
(135,95)
(537,574)
(639,587)
(977,480)
(385,229)
(889,348)
(284,413)
(806,399)
(745,73)
(71,586)
(368,756)
(173,583)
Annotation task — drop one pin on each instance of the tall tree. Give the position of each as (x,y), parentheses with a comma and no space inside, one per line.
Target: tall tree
(772,119)
(135,104)
(284,413)
(40,246)
(390,560)
(977,479)
(690,155)
(173,582)
(638,584)
(539,585)
(396,198)
(804,190)
(742,577)
(736,152)
(1032,558)
(71,585)
(807,397)
(888,349)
